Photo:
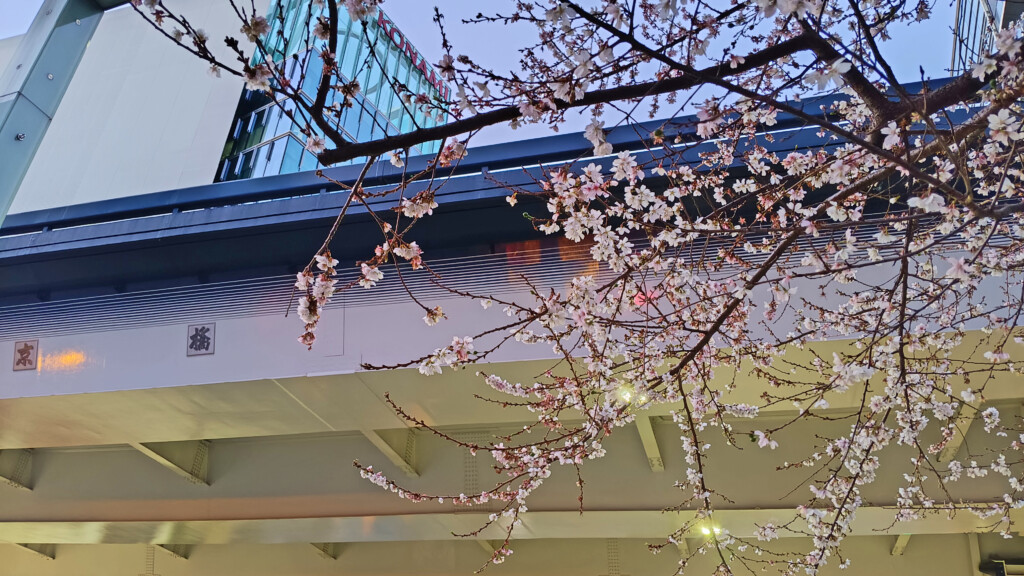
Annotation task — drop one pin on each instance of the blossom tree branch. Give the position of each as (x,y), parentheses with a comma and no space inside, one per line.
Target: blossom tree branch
(721,257)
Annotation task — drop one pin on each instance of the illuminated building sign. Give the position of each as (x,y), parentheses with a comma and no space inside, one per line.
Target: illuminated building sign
(418,61)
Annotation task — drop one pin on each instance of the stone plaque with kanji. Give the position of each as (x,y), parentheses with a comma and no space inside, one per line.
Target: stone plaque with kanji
(200,339)
(26,354)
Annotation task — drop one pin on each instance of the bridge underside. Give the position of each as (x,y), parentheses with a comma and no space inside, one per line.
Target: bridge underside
(123,453)
(255,477)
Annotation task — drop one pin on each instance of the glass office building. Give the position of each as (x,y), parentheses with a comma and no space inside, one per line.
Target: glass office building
(974,31)
(264,141)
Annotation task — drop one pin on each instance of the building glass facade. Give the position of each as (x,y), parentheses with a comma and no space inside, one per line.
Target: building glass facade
(263,141)
(974,31)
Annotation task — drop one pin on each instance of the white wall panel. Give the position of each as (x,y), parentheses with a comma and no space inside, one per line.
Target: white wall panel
(7,48)
(141,115)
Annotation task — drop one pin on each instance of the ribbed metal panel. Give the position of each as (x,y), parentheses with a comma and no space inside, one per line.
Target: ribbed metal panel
(484,274)
(490,274)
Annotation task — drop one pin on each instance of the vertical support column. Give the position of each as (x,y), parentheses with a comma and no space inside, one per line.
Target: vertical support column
(900,545)
(963,420)
(35,81)
(44,551)
(328,550)
(404,460)
(650,443)
(975,554)
(179,551)
(189,459)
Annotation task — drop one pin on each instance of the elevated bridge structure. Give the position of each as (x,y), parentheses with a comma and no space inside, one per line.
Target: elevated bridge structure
(168,422)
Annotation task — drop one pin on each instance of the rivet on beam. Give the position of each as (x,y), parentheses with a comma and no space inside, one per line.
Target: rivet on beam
(16,468)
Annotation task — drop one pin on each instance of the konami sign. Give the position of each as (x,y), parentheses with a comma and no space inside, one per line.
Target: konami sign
(418,61)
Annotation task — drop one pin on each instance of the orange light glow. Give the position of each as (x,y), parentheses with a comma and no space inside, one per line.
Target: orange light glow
(63,360)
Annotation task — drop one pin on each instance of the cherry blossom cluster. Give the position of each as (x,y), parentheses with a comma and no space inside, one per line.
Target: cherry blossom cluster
(808,246)
(316,290)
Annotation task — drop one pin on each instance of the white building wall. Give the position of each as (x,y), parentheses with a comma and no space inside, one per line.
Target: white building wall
(7,48)
(141,115)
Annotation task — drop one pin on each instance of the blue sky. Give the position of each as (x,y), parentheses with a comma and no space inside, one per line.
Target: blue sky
(16,15)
